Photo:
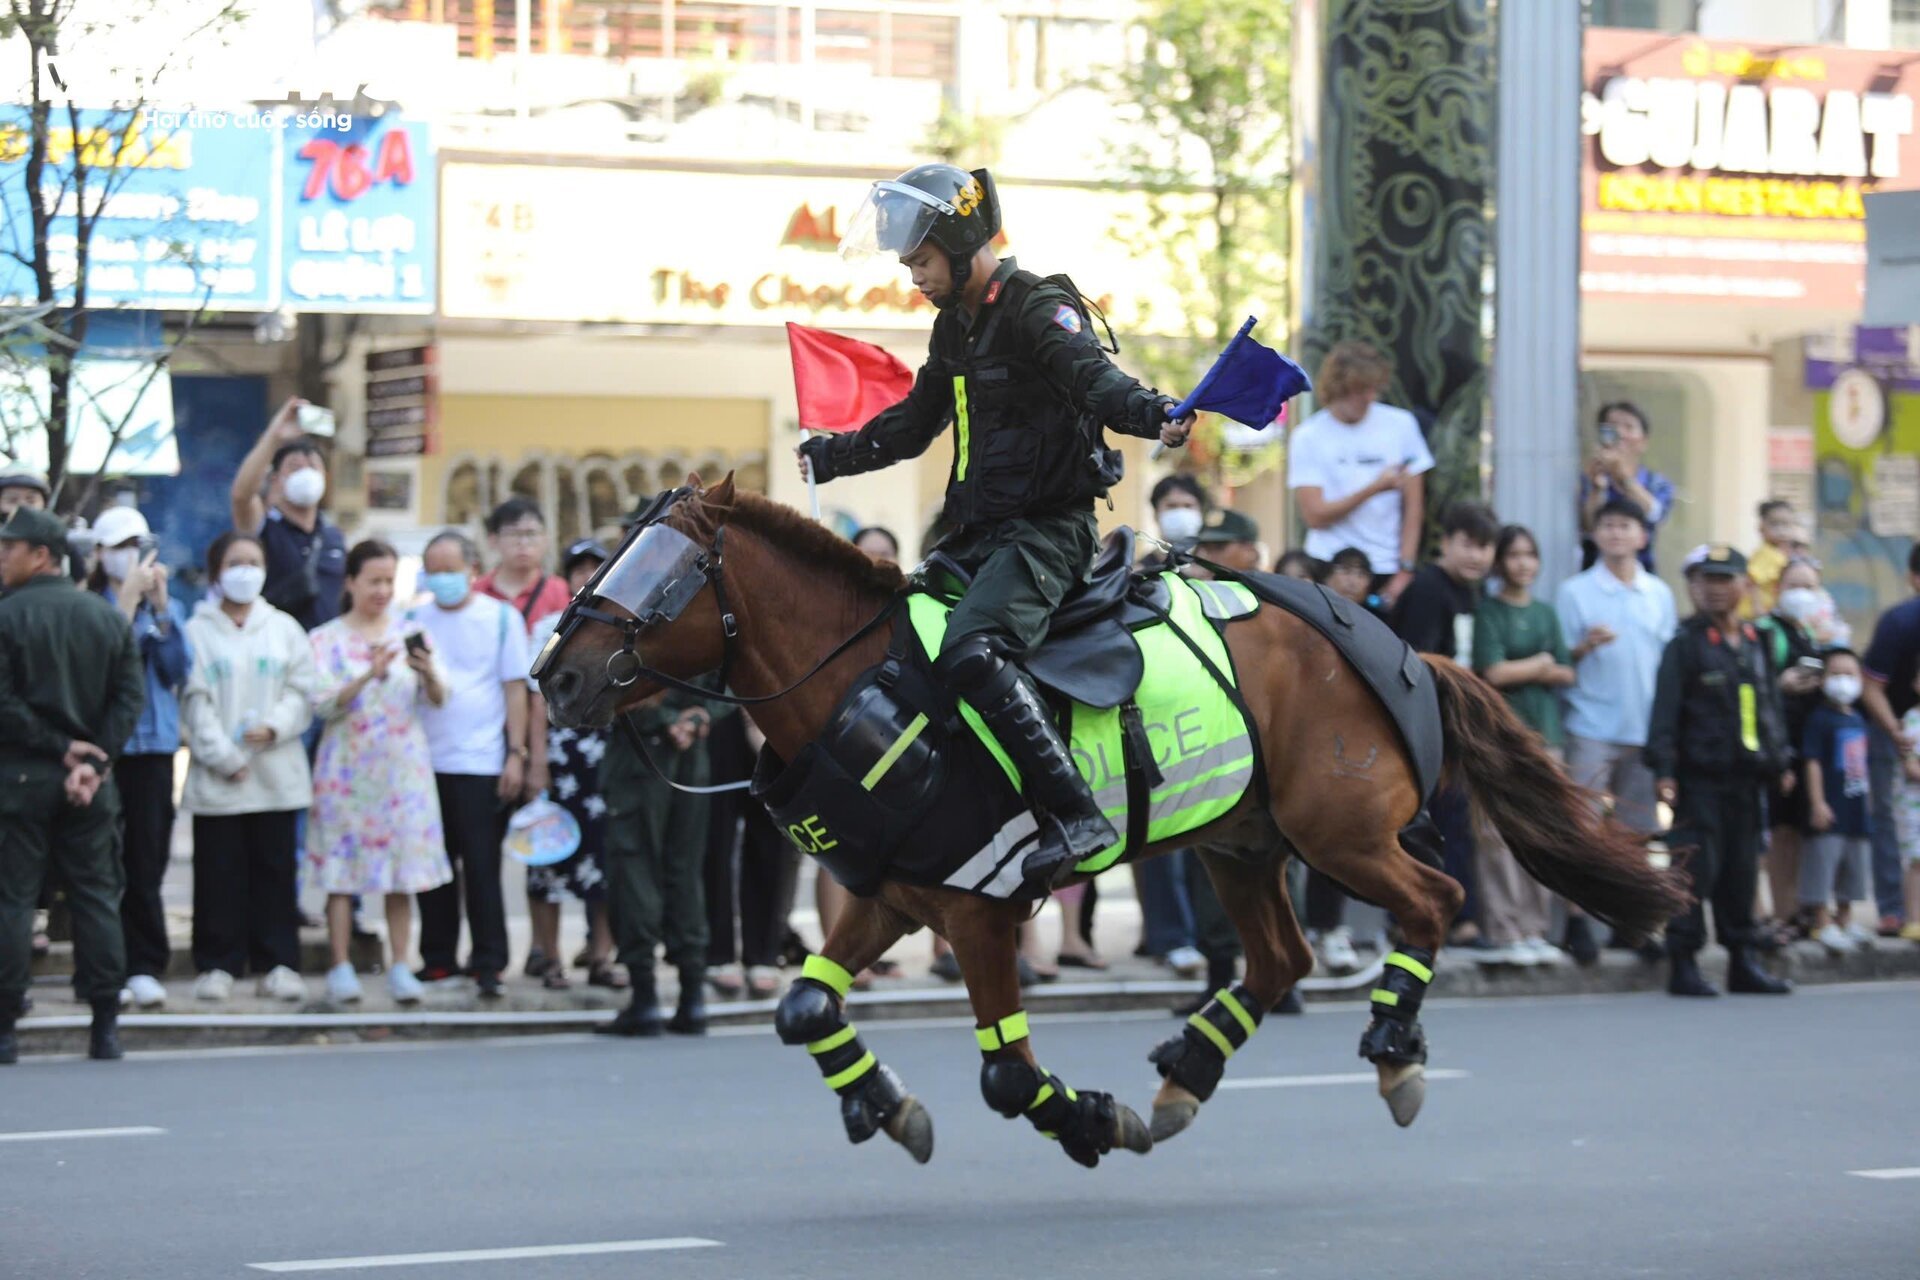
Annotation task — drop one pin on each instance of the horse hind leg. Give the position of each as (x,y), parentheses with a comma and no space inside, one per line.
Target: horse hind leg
(812,1013)
(1254,895)
(1087,1125)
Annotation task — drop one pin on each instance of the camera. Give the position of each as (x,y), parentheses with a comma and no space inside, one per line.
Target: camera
(1609,435)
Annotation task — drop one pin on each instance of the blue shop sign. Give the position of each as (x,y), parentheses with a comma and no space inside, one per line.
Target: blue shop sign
(360,213)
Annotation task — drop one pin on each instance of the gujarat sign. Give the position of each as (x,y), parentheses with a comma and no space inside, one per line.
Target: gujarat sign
(1720,172)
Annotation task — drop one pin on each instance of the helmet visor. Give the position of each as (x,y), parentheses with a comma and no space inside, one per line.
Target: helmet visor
(893,219)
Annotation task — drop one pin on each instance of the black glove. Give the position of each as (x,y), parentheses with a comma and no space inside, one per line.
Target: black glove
(816,450)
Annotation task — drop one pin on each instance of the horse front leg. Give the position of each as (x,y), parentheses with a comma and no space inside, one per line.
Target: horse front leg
(984,935)
(812,1013)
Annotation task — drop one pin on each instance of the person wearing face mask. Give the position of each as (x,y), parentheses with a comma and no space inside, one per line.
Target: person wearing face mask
(247,702)
(1794,651)
(130,576)
(1838,822)
(477,740)
(306,554)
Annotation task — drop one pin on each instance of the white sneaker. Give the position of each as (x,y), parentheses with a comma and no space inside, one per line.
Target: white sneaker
(1518,954)
(1860,932)
(1545,952)
(343,985)
(1834,939)
(214,984)
(146,991)
(281,983)
(1187,962)
(1336,949)
(403,986)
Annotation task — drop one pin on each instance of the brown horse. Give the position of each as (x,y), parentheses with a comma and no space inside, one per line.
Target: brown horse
(786,593)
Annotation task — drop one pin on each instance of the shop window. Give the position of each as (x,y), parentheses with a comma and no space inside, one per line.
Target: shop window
(605,504)
(1644,15)
(1904,24)
(465,500)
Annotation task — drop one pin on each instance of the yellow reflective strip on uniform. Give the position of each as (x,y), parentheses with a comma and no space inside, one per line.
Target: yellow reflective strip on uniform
(1046,1091)
(1213,1033)
(853,1072)
(1238,1010)
(1401,960)
(929,618)
(1749,719)
(1388,998)
(821,969)
(894,752)
(1071,1095)
(832,1042)
(962,425)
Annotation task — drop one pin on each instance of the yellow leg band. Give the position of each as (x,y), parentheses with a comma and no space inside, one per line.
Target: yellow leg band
(1213,1033)
(832,1042)
(1002,1033)
(1400,960)
(825,971)
(852,1073)
(1385,997)
(1238,1010)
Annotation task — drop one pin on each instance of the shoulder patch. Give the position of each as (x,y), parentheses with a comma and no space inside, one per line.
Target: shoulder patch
(1067,318)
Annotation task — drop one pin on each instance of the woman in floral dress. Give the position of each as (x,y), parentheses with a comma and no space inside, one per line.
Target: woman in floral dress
(375,825)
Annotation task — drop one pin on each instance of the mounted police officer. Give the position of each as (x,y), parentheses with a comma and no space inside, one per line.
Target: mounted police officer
(1014,365)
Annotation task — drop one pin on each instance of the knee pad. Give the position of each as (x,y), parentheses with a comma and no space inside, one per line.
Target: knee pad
(973,667)
(1195,1058)
(811,1008)
(1011,1087)
(1403,985)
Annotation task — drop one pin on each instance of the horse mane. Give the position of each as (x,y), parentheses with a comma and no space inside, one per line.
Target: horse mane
(783,527)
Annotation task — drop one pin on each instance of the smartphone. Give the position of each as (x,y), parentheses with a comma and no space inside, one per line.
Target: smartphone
(316,421)
(416,641)
(1811,664)
(1609,435)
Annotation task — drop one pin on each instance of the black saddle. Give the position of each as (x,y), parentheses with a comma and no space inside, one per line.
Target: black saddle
(1089,653)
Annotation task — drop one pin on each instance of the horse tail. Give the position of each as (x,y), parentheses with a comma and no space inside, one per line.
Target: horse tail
(1554,828)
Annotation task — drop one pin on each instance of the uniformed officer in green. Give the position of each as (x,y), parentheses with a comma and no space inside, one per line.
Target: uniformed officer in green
(71,687)
(1014,366)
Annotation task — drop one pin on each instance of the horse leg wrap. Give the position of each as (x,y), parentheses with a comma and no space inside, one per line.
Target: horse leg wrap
(1394,1035)
(1083,1123)
(809,1014)
(1195,1058)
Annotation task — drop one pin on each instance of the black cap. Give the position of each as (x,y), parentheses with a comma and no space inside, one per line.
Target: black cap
(36,528)
(1225,526)
(584,549)
(1715,559)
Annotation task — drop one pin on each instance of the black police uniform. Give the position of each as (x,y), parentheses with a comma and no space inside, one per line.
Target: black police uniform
(1026,388)
(1718,730)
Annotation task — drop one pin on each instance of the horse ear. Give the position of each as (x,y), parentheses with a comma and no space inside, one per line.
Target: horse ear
(721,495)
(693,482)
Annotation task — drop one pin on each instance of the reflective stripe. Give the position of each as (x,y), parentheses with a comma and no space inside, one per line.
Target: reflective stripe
(823,970)
(1401,960)
(1227,781)
(1002,1033)
(1238,1011)
(894,752)
(960,420)
(1749,719)
(981,866)
(1213,1033)
(1046,1091)
(929,618)
(832,1042)
(852,1073)
(1382,996)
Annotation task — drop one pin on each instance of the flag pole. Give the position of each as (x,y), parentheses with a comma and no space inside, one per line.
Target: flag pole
(813,485)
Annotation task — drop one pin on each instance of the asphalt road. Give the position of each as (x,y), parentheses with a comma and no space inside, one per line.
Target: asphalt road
(1597,1137)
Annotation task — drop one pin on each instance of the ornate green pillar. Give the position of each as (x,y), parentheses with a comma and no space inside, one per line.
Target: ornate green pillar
(1400,161)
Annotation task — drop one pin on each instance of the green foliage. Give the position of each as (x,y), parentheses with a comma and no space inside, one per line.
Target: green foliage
(970,141)
(1208,102)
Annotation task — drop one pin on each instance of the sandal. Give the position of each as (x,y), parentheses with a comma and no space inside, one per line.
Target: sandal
(1091,960)
(604,973)
(726,981)
(886,968)
(537,963)
(555,978)
(763,982)
(42,945)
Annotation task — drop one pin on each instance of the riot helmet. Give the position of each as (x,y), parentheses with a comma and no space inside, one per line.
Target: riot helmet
(957,210)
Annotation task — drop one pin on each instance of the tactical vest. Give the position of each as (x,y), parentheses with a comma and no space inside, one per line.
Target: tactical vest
(1019,447)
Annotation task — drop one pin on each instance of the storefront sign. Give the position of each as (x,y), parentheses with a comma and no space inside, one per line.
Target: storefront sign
(642,246)
(1720,172)
(230,211)
(403,400)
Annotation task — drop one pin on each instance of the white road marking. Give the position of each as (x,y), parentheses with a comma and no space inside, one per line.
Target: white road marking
(1889,1174)
(488,1255)
(50,1135)
(1343,1077)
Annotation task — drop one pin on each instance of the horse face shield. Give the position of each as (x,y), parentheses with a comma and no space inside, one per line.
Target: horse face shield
(655,577)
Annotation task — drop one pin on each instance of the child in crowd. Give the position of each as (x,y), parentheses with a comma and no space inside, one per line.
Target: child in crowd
(1835,750)
(1295,564)
(1906,814)
(1779,532)
(1350,574)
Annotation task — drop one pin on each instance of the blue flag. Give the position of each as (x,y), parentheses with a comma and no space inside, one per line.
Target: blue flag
(1248,383)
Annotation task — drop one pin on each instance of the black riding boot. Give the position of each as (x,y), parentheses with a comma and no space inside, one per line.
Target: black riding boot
(690,1018)
(1746,978)
(1072,826)
(1686,978)
(103,1039)
(9,1043)
(641,1017)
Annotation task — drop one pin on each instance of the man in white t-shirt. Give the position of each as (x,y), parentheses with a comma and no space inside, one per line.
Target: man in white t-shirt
(1355,467)
(478,741)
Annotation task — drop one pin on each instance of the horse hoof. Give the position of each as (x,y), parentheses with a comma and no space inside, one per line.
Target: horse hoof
(1175,1115)
(912,1128)
(1130,1131)
(1404,1088)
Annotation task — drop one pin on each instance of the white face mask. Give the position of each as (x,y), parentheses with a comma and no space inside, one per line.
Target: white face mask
(1800,603)
(1180,524)
(241,583)
(118,562)
(305,487)
(1844,690)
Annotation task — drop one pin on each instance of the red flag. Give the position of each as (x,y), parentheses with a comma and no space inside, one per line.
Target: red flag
(841,382)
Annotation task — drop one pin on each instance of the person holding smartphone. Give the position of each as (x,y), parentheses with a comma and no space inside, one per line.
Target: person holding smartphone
(306,553)
(1617,469)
